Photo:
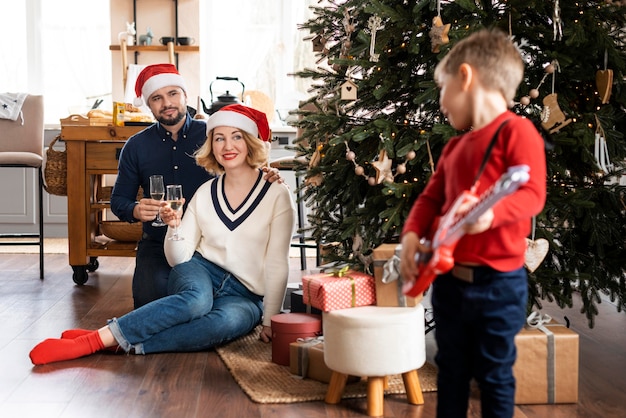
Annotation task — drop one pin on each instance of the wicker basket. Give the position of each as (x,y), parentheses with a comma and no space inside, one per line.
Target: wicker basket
(103,194)
(55,171)
(122,231)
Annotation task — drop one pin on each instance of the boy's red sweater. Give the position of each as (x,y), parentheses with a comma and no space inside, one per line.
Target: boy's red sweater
(502,247)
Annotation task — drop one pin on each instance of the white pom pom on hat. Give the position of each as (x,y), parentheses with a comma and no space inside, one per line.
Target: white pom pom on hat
(155,77)
(243,117)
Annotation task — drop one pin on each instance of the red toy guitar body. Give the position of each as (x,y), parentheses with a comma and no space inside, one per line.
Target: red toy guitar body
(450,229)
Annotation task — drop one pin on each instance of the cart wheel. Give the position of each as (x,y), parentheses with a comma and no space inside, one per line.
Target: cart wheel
(80,275)
(93,264)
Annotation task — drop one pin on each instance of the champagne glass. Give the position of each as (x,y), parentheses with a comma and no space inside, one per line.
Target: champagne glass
(157,192)
(174,195)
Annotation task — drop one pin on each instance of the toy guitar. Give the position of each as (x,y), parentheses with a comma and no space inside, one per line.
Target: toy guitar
(450,229)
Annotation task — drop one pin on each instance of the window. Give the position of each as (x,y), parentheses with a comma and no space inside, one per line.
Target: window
(61,49)
(62,55)
(258,42)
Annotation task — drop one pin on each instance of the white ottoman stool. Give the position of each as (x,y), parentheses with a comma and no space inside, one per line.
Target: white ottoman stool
(374,342)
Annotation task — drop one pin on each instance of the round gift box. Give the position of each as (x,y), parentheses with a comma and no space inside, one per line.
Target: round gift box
(287,328)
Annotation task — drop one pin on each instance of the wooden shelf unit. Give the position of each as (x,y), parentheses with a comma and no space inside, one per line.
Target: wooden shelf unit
(156,48)
(92,152)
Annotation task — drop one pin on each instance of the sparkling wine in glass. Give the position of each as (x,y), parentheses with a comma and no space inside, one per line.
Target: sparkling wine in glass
(157,192)
(174,196)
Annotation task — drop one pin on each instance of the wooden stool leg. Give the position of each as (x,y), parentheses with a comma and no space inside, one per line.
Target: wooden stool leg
(386,383)
(375,395)
(413,387)
(336,387)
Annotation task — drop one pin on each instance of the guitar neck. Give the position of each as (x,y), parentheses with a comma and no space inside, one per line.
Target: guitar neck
(506,184)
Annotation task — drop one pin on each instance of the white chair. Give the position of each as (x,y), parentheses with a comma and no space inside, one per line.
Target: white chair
(374,342)
(21,145)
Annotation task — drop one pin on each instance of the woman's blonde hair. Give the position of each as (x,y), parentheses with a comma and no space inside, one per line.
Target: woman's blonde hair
(257,157)
(493,55)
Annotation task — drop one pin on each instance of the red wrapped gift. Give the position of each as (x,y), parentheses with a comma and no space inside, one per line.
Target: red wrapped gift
(287,328)
(339,290)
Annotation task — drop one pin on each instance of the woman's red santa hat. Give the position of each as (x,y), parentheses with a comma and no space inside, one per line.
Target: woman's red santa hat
(243,117)
(155,77)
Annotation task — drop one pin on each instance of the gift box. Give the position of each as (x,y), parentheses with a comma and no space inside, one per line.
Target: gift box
(298,305)
(287,300)
(387,274)
(287,328)
(546,369)
(306,359)
(339,290)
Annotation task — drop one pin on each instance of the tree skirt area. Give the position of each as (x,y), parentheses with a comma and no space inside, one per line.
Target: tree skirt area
(249,360)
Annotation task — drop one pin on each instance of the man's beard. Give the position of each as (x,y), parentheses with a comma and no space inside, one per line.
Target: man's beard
(171,121)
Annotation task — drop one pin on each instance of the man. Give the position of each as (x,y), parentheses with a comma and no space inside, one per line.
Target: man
(164,148)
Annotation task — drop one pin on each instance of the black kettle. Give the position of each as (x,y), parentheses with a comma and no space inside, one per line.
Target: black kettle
(222,100)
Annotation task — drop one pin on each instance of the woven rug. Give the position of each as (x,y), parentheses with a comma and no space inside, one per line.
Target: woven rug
(249,360)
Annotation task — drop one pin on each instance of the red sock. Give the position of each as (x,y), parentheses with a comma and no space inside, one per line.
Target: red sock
(53,349)
(71,334)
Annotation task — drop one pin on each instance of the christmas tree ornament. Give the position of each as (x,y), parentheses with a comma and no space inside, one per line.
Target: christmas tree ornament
(349,90)
(383,168)
(439,33)
(536,250)
(601,152)
(552,117)
(534,93)
(316,157)
(604,81)
(557,24)
(348,26)
(314,181)
(318,43)
(374,25)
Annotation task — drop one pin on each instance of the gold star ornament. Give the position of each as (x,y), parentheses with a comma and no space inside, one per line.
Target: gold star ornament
(439,33)
(383,168)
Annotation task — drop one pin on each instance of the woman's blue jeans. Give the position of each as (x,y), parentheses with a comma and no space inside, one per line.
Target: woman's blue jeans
(475,328)
(206,306)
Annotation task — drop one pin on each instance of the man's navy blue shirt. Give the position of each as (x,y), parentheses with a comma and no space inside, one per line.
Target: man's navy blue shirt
(152,151)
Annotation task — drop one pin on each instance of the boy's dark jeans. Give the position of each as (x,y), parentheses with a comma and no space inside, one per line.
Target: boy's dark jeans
(475,328)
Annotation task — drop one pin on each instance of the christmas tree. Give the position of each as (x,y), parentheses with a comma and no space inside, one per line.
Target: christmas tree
(371,131)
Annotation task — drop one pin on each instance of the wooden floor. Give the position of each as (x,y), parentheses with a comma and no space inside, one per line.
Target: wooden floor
(198,384)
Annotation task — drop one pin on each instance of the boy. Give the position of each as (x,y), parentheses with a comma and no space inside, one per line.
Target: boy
(480,305)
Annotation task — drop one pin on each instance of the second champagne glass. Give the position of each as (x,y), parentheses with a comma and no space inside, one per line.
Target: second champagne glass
(157,192)
(174,196)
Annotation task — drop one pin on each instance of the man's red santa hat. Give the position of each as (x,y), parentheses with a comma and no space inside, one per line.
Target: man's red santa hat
(155,77)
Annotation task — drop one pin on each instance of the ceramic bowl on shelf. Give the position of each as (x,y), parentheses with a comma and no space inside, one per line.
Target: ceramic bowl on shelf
(167,39)
(185,40)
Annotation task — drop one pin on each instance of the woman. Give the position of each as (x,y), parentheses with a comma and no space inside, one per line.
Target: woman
(230,270)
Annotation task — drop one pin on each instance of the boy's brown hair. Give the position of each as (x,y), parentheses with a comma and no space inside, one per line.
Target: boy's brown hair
(493,55)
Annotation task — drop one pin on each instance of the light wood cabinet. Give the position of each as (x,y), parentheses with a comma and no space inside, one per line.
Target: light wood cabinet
(92,153)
